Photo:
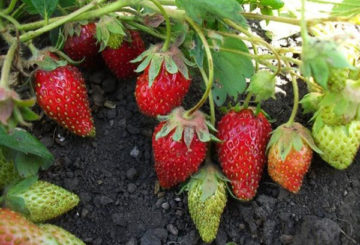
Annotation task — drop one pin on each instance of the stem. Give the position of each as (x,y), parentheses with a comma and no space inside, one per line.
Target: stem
(18,11)
(147,30)
(296,99)
(172,12)
(256,39)
(41,23)
(167,2)
(11,20)
(285,20)
(7,65)
(247,100)
(210,67)
(168,25)
(30,35)
(255,53)
(339,3)
(10,7)
(304,34)
(211,100)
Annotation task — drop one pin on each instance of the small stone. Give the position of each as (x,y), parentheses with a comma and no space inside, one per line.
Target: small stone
(131,173)
(241,226)
(84,212)
(165,205)
(131,188)
(172,229)
(134,152)
(286,239)
(104,200)
(132,241)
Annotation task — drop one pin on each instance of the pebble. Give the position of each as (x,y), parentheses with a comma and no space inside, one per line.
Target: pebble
(135,152)
(165,205)
(132,241)
(172,229)
(104,200)
(286,239)
(131,173)
(131,188)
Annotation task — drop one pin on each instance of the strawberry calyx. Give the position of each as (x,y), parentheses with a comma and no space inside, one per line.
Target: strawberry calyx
(110,32)
(287,137)
(73,28)
(310,102)
(185,128)
(210,177)
(11,197)
(154,57)
(262,85)
(14,110)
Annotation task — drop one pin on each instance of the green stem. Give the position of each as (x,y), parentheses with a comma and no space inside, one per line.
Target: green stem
(210,67)
(147,30)
(168,25)
(10,7)
(255,53)
(92,14)
(211,100)
(167,2)
(174,13)
(11,20)
(7,65)
(18,11)
(304,34)
(285,20)
(339,3)
(247,100)
(30,35)
(296,98)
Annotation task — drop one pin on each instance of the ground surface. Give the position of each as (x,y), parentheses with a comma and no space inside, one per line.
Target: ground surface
(114,177)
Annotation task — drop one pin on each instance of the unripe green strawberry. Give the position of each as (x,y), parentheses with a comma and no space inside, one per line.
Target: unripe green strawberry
(115,41)
(329,117)
(8,172)
(206,201)
(337,79)
(339,144)
(42,200)
(62,236)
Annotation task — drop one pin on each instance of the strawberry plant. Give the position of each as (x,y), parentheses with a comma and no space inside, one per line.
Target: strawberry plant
(208,38)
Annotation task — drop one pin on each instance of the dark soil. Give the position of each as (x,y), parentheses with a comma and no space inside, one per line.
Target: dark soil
(114,176)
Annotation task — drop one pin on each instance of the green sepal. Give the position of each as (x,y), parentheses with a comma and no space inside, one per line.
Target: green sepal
(109,32)
(262,85)
(172,61)
(287,137)
(49,64)
(11,198)
(186,127)
(310,102)
(155,65)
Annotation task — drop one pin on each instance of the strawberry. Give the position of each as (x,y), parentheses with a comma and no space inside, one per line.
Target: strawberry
(8,172)
(339,144)
(179,146)
(206,201)
(41,200)
(244,137)
(164,83)
(82,44)
(118,60)
(166,93)
(290,153)
(62,94)
(62,236)
(337,79)
(16,230)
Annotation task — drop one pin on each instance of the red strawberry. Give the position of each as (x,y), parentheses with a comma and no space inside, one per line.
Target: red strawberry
(291,149)
(176,156)
(62,94)
(118,60)
(167,92)
(83,45)
(244,138)
(17,230)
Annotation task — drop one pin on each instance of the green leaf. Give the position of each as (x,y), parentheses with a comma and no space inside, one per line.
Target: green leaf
(16,204)
(231,70)
(200,10)
(320,71)
(197,51)
(44,7)
(22,186)
(28,114)
(20,140)
(274,4)
(346,8)
(27,165)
